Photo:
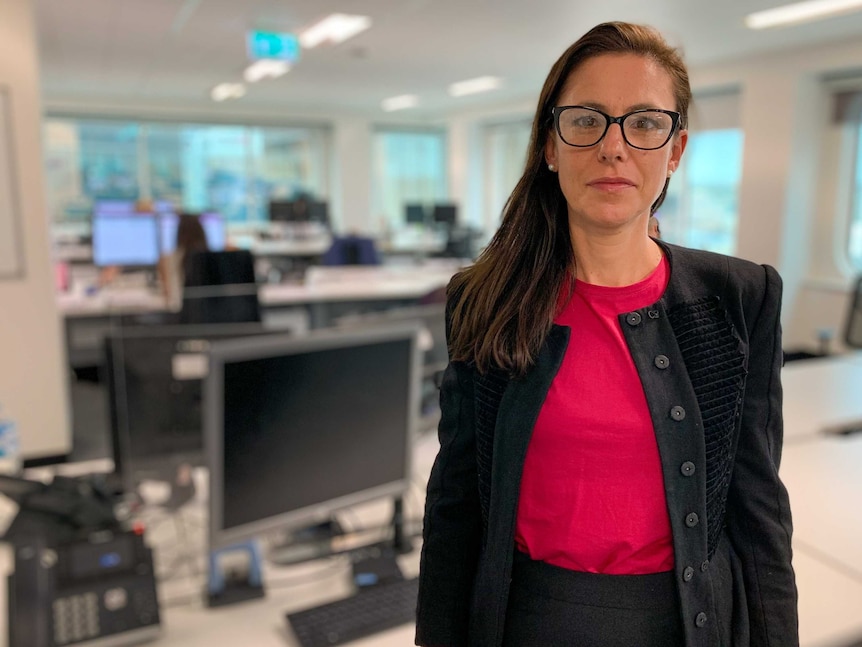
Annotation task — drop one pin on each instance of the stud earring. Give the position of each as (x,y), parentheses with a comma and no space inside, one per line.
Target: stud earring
(669,172)
(552,168)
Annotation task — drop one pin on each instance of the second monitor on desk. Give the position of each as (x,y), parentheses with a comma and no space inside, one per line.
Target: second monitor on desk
(299,428)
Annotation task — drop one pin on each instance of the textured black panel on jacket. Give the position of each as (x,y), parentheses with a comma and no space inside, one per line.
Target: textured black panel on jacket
(489,392)
(715,365)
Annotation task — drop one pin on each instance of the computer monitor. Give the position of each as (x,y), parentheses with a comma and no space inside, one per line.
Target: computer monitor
(299,428)
(154,380)
(296,211)
(212,222)
(445,214)
(163,206)
(125,239)
(432,343)
(114,206)
(414,214)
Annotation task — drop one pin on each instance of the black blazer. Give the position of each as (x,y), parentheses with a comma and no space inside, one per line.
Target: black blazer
(709,356)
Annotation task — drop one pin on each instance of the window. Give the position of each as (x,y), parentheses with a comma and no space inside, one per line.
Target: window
(849,113)
(702,205)
(232,169)
(409,166)
(87,161)
(505,146)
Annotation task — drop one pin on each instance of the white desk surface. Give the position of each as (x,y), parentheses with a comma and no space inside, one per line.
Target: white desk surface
(819,393)
(829,604)
(824,480)
(322,285)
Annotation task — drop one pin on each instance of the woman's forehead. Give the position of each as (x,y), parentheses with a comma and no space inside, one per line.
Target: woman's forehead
(614,81)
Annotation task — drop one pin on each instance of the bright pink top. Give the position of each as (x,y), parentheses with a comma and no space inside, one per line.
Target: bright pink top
(592,493)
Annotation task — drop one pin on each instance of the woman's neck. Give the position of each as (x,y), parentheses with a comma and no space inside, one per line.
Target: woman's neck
(614,259)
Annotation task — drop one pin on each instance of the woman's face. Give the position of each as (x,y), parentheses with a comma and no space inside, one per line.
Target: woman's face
(611,185)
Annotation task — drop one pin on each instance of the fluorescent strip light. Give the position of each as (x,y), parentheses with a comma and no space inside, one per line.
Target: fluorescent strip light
(335,28)
(265,68)
(800,12)
(401,102)
(472,86)
(224,91)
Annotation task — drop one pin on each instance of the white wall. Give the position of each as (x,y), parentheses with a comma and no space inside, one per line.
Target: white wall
(33,389)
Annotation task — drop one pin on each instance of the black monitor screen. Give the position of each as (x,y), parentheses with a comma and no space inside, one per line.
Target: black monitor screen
(299,211)
(446,214)
(155,377)
(313,428)
(414,214)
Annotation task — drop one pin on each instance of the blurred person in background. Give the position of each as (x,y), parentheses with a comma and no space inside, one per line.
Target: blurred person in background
(191,237)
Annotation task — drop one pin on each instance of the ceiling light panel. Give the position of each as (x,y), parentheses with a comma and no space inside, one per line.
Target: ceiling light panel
(401,102)
(265,68)
(335,28)
(474,86)
(225,91)
(800,12)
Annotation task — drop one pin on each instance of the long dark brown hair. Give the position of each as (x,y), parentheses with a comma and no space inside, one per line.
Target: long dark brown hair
(503,306)
(191,237)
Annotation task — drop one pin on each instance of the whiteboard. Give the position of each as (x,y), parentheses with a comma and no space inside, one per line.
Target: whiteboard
(11,262)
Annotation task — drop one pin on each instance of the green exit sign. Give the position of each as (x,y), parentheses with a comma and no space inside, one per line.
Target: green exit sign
(264,44)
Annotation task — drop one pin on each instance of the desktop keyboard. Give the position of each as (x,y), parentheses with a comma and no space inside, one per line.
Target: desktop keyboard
(373,609)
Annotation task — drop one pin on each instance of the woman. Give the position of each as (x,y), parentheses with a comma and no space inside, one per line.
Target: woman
(611,414)
(191,237)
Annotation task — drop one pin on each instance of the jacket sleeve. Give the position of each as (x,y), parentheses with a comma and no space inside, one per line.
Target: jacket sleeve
(452,530)
(758,509)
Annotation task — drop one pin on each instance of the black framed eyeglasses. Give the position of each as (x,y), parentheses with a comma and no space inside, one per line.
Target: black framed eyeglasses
(646,129)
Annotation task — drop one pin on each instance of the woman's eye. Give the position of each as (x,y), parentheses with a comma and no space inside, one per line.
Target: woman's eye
(586,122)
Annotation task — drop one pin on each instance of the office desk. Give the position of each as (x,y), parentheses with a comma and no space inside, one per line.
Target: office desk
(326,294)
(829,604)
(824,479)
(821,392)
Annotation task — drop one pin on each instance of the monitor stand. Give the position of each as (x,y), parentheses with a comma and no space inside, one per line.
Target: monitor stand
(314,542)
(304,544)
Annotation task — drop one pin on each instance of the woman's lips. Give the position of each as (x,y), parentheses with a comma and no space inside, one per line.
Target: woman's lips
(611,184)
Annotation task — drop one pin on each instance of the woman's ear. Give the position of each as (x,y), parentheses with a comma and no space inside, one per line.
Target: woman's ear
(678,144)
(551,154)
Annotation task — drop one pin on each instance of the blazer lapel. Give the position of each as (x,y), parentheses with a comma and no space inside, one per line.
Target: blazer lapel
(519,408)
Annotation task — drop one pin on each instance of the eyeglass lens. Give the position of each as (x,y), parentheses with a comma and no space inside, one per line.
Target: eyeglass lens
(585,127)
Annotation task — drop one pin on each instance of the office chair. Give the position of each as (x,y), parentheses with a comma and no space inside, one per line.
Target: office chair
(853,325)
(220,287)
(351,250)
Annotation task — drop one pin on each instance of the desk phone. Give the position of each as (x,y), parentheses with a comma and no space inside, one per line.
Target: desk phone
(101,589)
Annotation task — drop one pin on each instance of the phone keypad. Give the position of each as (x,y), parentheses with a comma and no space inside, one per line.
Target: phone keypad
(76,618)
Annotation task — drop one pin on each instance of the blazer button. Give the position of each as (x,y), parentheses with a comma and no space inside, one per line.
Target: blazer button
(688,573)
(700,620)
(677,413)
(691,520)
(687,468)
(661,361)
(633,318)
(705,566)
(653,314)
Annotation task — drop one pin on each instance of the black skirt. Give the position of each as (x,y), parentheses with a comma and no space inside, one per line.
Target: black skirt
(550,606)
